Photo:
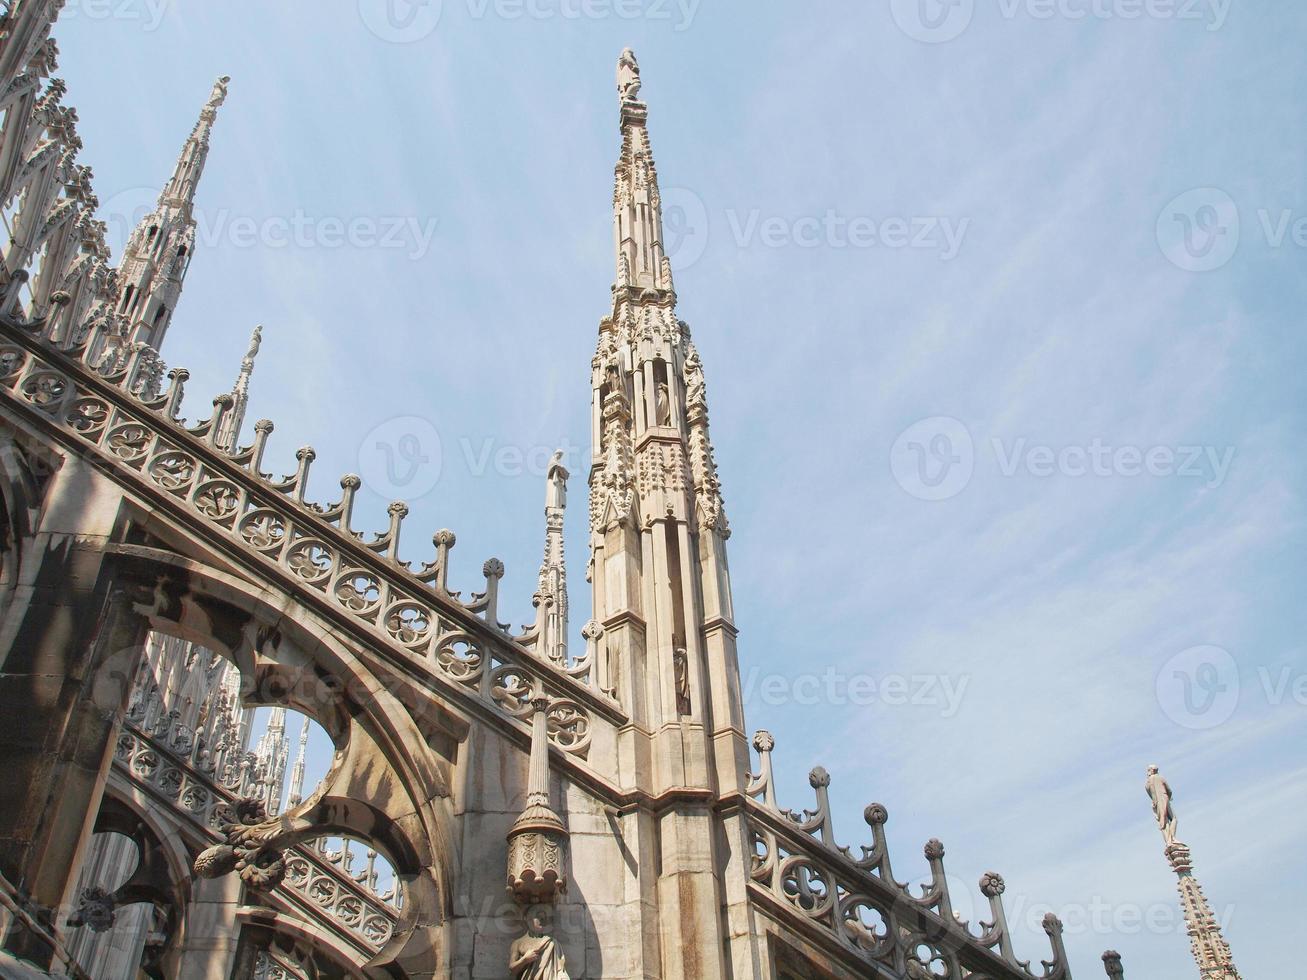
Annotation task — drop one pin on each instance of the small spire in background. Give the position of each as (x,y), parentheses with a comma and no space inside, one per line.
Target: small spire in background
(228,438)
(158,254)
(1211,951)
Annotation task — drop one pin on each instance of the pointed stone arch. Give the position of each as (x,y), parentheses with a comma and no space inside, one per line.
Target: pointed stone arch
(389,783)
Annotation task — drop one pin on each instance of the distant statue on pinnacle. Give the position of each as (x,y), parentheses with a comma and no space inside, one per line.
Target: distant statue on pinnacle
(1159,791)
(219,95)
(628,76)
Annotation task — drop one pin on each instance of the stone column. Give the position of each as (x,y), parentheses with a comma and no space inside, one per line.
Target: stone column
(69,647)
(211,935)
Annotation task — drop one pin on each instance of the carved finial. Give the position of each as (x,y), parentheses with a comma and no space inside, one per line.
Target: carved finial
(819,778)
(934,850)
(763,741)
(992,884)
(1112,964)
(537,841)
(256,341)
(875,815)
(493,568)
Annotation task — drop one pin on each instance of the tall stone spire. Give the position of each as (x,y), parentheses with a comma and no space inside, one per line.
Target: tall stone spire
(1211,951)
(656,518)
(230,430)
(553,568)
(658,565)
(159,251)
(297,771)
(270,760)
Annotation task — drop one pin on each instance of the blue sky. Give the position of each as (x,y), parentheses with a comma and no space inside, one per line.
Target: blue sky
(1040,261)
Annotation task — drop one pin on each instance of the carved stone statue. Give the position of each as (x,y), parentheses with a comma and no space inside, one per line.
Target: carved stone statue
(695,391)
(219,95)
(664,404)
(628,76)
(556,492)
(536,956)
(1159,791)
(681,667)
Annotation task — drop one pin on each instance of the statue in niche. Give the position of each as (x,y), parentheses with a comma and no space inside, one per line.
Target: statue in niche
(628,76)
(612,381)
(1159,791)
(536,956)
(663,404)
(681,669)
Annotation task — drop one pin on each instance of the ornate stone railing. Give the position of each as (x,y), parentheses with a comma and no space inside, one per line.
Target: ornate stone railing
(856,907)
(310,550)
(271,966)
(313,885)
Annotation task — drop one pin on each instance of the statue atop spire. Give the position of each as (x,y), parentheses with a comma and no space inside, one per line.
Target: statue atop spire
(1159,791)
(247,363)
(1211,951)
(219,95)
(628,76)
